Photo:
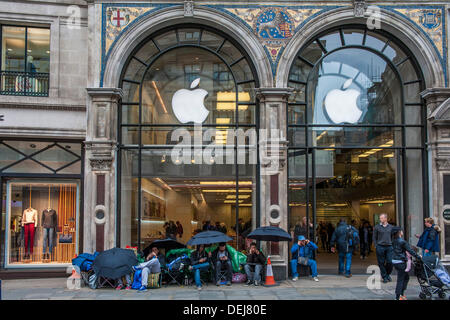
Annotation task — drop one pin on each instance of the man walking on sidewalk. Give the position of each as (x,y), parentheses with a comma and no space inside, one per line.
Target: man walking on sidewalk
(347,239)
(382,239)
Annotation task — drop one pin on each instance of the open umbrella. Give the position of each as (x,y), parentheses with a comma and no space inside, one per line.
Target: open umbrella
(167,244)
(270,233)
(114,263)
(208,237)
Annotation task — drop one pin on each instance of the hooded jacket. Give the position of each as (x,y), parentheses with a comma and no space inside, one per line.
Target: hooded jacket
(429,239)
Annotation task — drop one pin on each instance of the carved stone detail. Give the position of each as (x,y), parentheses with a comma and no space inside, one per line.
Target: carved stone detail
(359,8)
(188,8)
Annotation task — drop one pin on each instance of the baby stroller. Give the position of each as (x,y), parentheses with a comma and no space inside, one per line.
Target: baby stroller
(432,277)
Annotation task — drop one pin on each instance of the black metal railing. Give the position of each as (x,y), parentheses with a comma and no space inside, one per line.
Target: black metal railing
(24,83)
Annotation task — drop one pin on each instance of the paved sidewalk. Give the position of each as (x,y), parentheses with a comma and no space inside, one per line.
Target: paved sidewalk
(329,287)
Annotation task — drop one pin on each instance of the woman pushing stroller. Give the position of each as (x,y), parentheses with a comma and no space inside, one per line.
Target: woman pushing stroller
(400,260)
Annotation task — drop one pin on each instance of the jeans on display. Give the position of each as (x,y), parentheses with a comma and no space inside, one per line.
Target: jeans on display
(253,275)
(48,237)
(311,263)
(345,258)
(197,268)
(29,237)
(384,257)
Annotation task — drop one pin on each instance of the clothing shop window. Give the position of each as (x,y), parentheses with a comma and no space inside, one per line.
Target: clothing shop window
(42,220)
(25,61)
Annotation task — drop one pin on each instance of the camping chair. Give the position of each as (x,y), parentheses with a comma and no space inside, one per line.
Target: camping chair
(222,273)
(106,283)
(85,276)
(205,276)
(177,275)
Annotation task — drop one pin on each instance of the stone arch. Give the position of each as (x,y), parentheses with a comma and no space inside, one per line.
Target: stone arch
(397,26)
(168,17)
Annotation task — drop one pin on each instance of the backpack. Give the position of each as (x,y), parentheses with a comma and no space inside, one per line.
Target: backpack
(351,238)
(178,263)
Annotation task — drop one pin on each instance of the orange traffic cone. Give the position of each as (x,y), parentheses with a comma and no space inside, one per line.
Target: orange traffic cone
(270,281)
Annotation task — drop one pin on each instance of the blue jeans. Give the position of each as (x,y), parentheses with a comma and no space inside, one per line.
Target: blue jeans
(197,268)
(311,263)
(256,275)
(345,258)
(48,236)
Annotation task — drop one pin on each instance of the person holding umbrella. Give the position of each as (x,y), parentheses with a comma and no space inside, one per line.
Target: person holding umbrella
(222,258)
(303,253)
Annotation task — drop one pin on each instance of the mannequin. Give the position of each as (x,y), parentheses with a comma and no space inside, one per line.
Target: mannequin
(29,222)
(49,222)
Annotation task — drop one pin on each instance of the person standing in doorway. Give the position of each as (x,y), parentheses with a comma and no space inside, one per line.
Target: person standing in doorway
(346,237)
(382,239)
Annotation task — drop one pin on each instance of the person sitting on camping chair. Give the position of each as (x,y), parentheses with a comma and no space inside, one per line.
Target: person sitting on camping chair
(151,265)
(199,261)
(222,259)
(255,261)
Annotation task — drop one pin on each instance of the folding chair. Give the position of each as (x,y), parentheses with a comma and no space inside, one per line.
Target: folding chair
(222,273)
(106,283)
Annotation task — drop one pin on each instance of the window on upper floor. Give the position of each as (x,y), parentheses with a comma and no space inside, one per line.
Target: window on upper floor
(25,60)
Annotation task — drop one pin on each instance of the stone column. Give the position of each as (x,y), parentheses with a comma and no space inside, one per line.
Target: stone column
(273,158)
(100,169)
(438,125)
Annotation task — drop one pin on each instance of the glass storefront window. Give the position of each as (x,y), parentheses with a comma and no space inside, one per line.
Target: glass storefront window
(159,188)
(13,48)
(356,112)
(42,222)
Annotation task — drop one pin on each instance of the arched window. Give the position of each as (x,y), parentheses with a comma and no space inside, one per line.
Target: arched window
(356,131)
(178,79)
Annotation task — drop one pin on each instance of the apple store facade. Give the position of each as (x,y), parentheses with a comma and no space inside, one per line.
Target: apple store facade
(349,103)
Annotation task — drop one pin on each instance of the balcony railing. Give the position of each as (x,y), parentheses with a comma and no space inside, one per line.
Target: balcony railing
(24,83)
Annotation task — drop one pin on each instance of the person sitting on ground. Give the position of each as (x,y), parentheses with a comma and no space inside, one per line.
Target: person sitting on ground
(199,261)
(151,265)
(255,261)
(303,253)
(222,259)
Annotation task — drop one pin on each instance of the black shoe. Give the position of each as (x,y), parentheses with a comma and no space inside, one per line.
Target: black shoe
(218,283)
(256,283)
(228,283)
(340,273)
(389,278)
(385,280)
(248,283)
(348,275)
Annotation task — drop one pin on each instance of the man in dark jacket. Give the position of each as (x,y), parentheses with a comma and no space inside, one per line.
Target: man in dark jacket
(365,236)
(382,239)
(346,237)
(255,261)
(429,240)
(199,261)
(222,259)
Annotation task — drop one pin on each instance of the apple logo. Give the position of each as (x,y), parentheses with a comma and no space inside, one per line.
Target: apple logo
(341,105)
(187,105)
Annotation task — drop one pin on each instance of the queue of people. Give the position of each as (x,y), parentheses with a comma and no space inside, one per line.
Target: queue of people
(392,252)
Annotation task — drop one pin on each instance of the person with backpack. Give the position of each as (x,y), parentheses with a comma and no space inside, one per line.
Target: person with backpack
(303,254)
(429,240)
(347,239)
(382,240)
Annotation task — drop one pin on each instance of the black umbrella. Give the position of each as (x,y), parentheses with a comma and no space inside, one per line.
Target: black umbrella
(114,263)
(167,244)
(208,237)
(270,233)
